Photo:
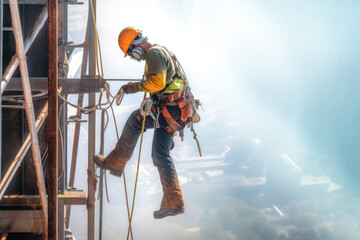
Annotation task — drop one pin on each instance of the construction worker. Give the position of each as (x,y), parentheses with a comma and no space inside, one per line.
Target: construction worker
(165,81)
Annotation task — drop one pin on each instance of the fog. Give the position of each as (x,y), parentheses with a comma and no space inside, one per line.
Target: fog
(279,133)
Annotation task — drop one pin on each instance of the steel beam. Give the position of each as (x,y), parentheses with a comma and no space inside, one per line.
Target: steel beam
(1,57)
(21,154)
(77,197)
(43,2)
(14,62)
(37,2)
(20,52)
(53,121)
(69,85)
(91,126)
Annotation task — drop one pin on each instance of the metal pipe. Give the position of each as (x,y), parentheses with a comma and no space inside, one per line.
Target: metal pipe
(101,183)
(12,66)
(22,152)
(91,130)
(13,106)
(53,121)
(7,29)
(77,126)
(20,52)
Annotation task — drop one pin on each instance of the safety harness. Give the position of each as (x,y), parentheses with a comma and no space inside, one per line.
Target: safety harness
(183,97)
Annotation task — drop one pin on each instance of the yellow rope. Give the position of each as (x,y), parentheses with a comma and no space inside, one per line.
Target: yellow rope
(137,170)
(100,71)
(97,44)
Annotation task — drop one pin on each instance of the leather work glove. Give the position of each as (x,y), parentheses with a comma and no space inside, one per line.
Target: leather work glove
(131,87)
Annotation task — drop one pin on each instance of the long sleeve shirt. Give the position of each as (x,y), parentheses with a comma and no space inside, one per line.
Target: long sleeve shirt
(159,70)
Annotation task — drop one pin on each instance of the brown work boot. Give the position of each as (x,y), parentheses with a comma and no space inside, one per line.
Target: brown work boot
(172,203)
(172,195)
(117,159)
(165,212)
(100,162)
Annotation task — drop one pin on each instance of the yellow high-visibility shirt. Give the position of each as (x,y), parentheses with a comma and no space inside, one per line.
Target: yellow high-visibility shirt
(159,70)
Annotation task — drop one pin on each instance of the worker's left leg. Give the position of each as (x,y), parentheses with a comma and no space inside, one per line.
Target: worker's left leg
(172,202)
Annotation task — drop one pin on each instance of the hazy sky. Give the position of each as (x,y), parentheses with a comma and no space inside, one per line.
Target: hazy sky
(279,80)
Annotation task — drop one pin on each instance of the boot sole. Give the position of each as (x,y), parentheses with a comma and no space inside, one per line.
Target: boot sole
(169,213)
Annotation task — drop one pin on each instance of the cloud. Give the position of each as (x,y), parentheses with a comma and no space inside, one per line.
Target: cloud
(74,64)
(184,152)
(123,109)
(77,16)
(209,115)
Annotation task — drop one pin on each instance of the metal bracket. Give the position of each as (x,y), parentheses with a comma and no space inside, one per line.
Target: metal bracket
(75,119)
(7,29)
(73,2)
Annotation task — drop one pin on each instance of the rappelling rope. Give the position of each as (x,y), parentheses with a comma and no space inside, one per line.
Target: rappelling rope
(97,43)
(119,96)
(137,170)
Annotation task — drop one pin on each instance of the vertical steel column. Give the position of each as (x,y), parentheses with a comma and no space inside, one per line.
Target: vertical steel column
(77,125)
(62,73)
(91,133)
(101,183)
(1,56)
(52,127)
(29,109)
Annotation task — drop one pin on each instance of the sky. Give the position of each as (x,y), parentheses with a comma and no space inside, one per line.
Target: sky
(279,85)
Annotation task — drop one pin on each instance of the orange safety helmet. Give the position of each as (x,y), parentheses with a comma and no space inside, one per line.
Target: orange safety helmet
(126,37)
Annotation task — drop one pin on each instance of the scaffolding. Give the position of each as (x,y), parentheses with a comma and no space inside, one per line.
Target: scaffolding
(42,207)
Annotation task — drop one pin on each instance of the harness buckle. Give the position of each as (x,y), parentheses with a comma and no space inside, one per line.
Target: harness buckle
(147,103)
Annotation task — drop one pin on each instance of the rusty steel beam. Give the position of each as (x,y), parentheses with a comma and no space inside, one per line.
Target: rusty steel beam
(1,57)
(21,154)
(20,52)
(53,121)
(70,85)
(77,126)
(43,2)
(73,197)
(91,129)
(14,62)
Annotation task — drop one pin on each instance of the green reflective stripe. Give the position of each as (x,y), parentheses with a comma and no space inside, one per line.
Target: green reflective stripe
(177,84)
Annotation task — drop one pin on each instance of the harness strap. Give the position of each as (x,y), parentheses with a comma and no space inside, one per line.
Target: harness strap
(173,124)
